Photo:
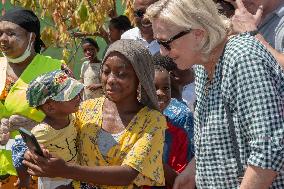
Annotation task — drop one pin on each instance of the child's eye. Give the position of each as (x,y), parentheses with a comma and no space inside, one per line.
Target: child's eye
(166,88)
(106,72)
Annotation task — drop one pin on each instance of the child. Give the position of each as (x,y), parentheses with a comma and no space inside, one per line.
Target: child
(90,70)
(182,81)
(178,147)
(58,96)
(117,26)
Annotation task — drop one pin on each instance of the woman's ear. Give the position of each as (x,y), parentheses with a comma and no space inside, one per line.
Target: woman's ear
(33,36)
(199,34)
(200,37)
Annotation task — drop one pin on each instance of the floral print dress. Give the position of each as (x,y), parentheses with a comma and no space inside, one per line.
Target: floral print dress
(140,146)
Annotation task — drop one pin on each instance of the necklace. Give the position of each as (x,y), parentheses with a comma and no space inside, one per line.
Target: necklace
(207,86)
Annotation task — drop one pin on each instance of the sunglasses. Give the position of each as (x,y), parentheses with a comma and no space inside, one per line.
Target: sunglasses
(139,13)
(167,43)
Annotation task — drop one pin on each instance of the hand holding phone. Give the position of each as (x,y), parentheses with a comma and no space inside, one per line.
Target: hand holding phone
(31,141)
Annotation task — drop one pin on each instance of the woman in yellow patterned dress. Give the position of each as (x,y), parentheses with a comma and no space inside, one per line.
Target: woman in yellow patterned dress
(122,133)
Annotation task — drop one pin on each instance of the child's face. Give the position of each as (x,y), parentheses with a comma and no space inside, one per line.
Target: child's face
(163,88)
(90,51)
(63,108)
(114,34)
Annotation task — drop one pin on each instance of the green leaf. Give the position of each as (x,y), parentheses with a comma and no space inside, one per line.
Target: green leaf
(82,12)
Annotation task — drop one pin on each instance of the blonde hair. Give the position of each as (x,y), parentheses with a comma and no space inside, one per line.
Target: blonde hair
(193,14)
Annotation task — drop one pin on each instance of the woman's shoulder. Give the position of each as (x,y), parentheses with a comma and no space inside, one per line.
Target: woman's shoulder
(151,116)
(245,46)
(244,50)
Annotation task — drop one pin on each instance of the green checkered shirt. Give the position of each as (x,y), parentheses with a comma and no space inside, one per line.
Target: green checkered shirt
(252,82)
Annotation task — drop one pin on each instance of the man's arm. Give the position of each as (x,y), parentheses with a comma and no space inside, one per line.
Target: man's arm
(244,21)
(277,55)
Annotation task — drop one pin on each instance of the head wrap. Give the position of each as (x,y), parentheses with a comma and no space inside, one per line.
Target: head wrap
(141,61)
(27,20)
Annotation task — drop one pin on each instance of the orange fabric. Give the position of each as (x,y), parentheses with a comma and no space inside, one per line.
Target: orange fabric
(8,183)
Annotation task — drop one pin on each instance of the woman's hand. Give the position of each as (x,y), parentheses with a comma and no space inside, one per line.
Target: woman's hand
(17,121)
(47,166)
(94,87)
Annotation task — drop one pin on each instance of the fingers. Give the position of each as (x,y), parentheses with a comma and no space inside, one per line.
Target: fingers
(39,160)
(17,121)
(32,173)
(28,155)
(46,153)
(31,157)
(258,14)
(240,4)
(5,122)
(33,169)
(232,2)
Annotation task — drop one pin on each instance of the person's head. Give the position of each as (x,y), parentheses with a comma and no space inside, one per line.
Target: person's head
(163,86)
(19,35)
(225,8)
(143,24)
(117,26)
(128,73)
(179,78)
(188,30)
(55,93)
(90,49)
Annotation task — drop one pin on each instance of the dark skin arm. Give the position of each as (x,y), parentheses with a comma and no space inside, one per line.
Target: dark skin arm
(100,175)
(23,178)
(170,175)
(94,86)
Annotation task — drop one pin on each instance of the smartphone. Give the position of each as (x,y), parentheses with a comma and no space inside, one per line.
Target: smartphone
(31,141)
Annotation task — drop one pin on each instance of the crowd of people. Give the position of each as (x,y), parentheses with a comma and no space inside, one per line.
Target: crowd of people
(192,97)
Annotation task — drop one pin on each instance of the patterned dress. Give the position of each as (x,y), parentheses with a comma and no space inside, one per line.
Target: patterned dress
(140,146)
(250,80)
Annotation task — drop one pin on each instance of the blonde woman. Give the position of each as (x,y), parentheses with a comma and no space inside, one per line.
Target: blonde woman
(240,97)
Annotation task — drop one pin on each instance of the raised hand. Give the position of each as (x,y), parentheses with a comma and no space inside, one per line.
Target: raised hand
(243,20)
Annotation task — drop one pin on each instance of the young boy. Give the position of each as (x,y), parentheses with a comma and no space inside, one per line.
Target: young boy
(178,148)
(59,97)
